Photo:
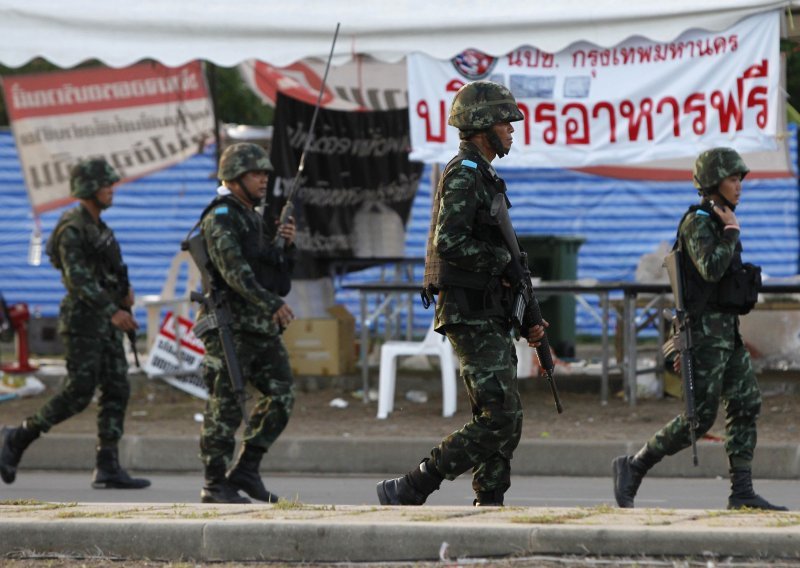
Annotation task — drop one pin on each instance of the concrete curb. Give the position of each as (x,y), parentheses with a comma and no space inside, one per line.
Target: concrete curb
(364,534)
(393,455)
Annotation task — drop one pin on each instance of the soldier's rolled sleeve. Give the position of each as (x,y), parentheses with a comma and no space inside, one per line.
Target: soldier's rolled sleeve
(225,250)
(79,279)
(453,237)
(710,252)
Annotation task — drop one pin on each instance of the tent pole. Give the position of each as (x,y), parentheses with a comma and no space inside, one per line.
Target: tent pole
(211,75)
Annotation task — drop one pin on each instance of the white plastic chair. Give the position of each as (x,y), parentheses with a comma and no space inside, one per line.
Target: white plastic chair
(178,304)
(433,344)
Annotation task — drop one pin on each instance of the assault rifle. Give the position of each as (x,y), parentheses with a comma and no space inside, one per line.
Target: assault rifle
(131,333)
(681,341)
(288,208)
(526,306)
(217,314)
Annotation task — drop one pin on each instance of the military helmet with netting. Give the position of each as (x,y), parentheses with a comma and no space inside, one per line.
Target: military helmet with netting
(713,166)
(240,158)
(482,104)
(88,176)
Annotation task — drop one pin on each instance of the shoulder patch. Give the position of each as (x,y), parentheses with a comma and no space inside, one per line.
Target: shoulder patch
(703,213)
(222,210)
(469,164)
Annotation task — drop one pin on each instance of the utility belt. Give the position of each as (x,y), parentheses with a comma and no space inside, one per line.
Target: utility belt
(493,300)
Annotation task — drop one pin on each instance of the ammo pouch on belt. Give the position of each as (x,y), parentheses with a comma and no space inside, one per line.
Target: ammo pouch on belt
(738,289)
(493,300)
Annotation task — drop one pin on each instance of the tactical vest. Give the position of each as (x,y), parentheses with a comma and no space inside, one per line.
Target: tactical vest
(103,248)
(737,290)
(272,268)
(440,274)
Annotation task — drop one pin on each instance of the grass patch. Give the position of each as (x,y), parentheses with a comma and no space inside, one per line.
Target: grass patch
(38,505)
(551,519)
(791,520)
(430,518)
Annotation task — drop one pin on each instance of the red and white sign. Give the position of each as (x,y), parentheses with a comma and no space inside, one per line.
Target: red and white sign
(636,102)
(141,119)
(176,356)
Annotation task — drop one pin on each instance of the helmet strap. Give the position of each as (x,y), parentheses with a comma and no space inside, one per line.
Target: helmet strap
(495,143)
(253,200)
(725,201)
(715,195)
(100,205)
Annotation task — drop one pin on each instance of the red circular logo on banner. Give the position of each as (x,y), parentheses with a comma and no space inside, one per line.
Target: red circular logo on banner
(474,64)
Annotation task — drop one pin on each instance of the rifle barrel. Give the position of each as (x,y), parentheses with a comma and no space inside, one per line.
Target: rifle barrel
(286,212)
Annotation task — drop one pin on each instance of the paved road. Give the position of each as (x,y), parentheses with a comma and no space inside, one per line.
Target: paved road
(673,493)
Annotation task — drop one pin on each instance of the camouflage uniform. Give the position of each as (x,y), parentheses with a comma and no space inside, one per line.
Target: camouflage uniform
(721,364)
(243,265)
(91,266)
(227,228)
(90,261)
(465,261)
(482,342)
(722,369)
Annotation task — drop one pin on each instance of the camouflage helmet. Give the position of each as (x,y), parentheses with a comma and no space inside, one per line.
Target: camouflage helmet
(713,166)
(87,177)
(238,159)
(482,104)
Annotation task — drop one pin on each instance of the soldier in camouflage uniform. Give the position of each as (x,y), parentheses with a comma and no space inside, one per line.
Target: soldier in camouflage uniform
(94,314)
(254,275)
(708,234)
(471,270)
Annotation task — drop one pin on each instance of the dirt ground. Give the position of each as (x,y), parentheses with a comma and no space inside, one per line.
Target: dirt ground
(158,409)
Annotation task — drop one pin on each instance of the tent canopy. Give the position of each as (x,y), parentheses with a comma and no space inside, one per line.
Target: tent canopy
(226,33)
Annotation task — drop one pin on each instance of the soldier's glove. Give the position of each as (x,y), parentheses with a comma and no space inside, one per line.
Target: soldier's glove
(514,273)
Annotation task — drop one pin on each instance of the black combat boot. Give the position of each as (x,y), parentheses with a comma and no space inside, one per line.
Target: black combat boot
(15,440)
(109,475)
(488,498)
(742,494)
(411,489)
(245,476)
(217,489)
(628,474)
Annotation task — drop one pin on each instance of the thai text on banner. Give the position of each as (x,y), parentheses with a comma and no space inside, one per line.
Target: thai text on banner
(141,119)
(632,103)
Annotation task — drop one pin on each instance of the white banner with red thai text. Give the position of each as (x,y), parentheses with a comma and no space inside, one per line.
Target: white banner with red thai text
(141,119)
(633,103)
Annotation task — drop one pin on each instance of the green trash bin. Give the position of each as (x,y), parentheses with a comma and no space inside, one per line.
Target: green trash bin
(555,257)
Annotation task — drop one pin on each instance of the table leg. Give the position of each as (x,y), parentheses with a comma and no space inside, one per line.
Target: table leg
(364,346)
(605,350)
(629,342)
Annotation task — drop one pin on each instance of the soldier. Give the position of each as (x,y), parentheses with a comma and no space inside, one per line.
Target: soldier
(94,314)
(470,268)
(254,275)
(718,288)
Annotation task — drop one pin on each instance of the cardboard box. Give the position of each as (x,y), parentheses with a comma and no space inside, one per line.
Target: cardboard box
(322,346)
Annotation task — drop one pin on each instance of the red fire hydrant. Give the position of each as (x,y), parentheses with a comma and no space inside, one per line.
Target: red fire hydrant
(19,316)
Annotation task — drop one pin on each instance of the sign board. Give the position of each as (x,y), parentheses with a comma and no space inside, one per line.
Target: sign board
(141,119)
(176,356)
(632,103)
